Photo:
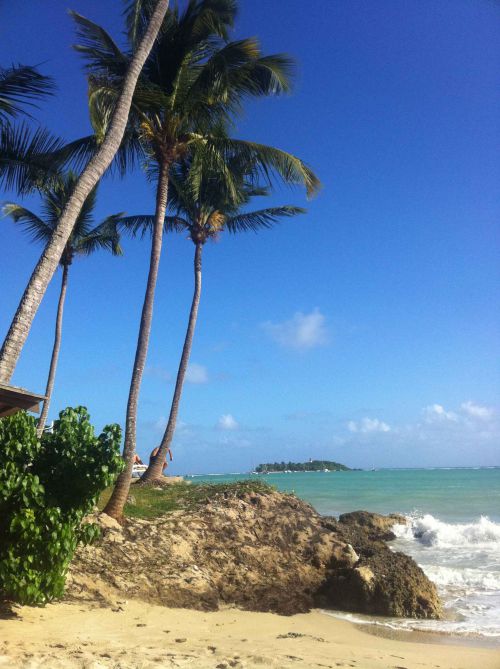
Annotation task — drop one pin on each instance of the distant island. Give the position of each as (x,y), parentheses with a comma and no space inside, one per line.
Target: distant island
(311,466)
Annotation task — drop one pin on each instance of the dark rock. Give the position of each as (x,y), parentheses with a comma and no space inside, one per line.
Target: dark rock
(372,520)
(387,583)
(382,582)
(377,526)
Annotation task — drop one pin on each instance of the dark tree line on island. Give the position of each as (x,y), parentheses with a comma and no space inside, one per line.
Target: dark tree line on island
(311,466)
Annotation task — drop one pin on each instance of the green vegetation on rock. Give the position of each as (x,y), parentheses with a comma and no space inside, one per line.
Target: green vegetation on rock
(153,501)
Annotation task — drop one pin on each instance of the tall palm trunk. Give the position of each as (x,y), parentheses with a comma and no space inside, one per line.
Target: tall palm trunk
(119,496)
(55,352)
(154,471)
(47,265)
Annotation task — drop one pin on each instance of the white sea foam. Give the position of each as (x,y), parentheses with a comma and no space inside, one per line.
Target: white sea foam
(466,578)
(432,532)
(463,560)
(455,627)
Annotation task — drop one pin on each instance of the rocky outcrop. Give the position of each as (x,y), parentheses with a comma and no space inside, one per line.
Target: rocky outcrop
(383,582)
(377,527)
(259,551)
(262,552)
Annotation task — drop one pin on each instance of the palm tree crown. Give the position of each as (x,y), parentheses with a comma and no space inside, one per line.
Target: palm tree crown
(85,237)
(208,205)
(193,80)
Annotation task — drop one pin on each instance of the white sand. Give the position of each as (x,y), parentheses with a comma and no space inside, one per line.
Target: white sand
(135,635)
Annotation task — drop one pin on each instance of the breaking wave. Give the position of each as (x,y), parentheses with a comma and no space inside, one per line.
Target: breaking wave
(433,532)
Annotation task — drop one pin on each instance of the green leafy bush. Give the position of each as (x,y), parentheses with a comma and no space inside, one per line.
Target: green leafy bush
(47,486)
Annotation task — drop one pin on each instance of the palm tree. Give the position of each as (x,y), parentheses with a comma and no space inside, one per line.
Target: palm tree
(83,240)
(204,207)
(49,260)
(193,79)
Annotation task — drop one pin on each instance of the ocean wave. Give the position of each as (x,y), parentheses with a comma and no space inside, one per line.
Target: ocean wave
(430,531)
(465,578)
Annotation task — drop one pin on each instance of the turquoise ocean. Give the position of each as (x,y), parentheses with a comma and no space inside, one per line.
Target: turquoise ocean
(453,532)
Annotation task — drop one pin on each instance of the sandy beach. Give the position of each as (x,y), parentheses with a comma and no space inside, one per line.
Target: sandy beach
(135,635)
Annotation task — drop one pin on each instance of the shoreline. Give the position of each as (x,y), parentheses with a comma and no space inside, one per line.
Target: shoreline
(98,627)
(416,636)
(443,638)
(132,635)
(470,592)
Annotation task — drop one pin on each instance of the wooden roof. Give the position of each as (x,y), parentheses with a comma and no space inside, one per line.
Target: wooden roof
(14,399)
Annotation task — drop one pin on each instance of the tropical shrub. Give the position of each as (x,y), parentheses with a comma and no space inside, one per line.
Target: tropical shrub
(47,486)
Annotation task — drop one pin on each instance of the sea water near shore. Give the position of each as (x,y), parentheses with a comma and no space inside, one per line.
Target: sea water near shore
(454,532)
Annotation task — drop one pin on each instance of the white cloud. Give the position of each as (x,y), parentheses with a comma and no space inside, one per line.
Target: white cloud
(196,373)
(436,412)
(227,422)
(477,411)
(302,331)
(368,425)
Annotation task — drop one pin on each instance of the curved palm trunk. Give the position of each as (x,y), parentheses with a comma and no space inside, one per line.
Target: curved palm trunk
(155,469)
(47,265)
(119,496)
(55,353)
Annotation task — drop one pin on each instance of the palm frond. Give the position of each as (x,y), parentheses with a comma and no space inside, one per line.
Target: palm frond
(238,70)
(37,229)
(211,199)
(76,154)
(86,216)
(137,225)
(142,224)
(54,199)
(21,85)
(137,14)
(263,218)
(104,236)
(179,188)
(102,98)
(27,158)
(269,161)
(101,53)
(252,190)
(203,18)
(176,224)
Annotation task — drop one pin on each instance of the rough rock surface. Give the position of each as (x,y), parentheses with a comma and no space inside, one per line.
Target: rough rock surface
(383,581)
(377,526)
(261,552)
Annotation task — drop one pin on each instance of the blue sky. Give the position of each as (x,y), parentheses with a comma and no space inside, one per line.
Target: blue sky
(365,332)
